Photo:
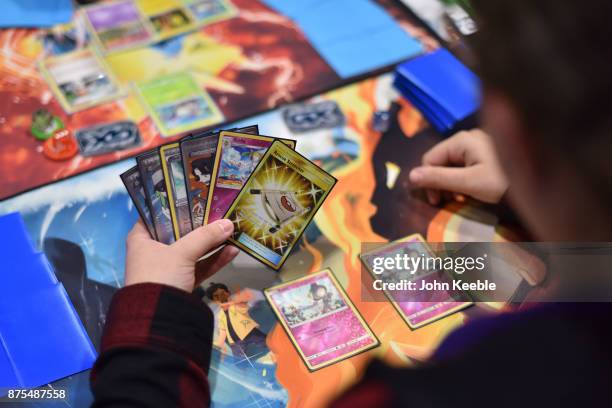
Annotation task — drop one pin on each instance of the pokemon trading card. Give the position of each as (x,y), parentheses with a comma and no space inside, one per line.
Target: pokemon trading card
(236,156)
(320,319)
(80,79)
(149,166)
(277,203)
(198,153)
(417,308)
(133,184)
(172,167)
(177,104)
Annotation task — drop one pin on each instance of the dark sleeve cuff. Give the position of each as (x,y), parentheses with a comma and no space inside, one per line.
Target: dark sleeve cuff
(155,315)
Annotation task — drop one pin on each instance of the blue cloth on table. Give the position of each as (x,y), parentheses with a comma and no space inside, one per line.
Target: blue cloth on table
(353,36)
(35,13)
(441,87)
(41,336)
(294,8)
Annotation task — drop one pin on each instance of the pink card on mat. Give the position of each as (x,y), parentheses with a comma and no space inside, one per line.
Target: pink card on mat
(320,319)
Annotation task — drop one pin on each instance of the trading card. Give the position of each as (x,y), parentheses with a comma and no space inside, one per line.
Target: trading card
(168,18)
(422,307)
(198,153)
(172,167)
(277,203)
(209,11)
(311,116)
(80,79)
(108,138)
(149,166)
(133,185)
(236,156)
(118,25)
(320,319)
(177,104)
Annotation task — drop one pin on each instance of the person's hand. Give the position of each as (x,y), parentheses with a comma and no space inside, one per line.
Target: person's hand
(465,163)
(177,265)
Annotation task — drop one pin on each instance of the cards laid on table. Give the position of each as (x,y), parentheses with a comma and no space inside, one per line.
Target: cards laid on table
(124,24)
(118,25)
(236,156)
(80,79)
(277,203)
(177,104)
(168,18)
(417,308)
(320,319)
(209,11)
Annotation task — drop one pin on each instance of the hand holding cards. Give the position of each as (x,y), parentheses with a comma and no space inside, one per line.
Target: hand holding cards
(269,191)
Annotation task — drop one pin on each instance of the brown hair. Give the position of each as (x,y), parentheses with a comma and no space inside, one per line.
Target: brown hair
(553,60)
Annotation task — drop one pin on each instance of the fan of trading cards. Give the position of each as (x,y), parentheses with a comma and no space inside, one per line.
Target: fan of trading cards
(268,190)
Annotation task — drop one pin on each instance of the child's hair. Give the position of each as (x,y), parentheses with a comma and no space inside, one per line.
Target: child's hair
(552,59)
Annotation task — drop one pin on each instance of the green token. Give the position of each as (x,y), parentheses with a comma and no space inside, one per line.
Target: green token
(44,124)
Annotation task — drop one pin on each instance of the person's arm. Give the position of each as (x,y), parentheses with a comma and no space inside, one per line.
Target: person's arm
(155,349)
(157,340)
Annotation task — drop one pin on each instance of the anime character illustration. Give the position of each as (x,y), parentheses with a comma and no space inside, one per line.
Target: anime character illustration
(202,169)
(237,330)
(160,192)
(238,163)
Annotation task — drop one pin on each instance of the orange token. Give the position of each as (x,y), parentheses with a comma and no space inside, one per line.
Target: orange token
(61,146)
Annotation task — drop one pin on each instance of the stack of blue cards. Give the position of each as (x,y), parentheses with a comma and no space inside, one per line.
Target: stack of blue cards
(445,91)
(41,336)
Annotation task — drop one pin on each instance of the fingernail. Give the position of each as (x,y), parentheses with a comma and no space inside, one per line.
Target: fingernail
(430,198)
(226,225)
(233,251)
(416,175)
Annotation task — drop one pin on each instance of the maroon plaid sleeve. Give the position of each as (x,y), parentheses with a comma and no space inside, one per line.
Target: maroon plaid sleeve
(155,349)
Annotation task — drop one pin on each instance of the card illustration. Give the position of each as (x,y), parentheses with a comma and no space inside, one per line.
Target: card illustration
(149,166)
(424,308)
(277,203)
(167,17)
(133,184)
(209,11)
(177,104)
(236,157)
(320,319)
(80,79)
(118,25)
(198,160)
(172,167)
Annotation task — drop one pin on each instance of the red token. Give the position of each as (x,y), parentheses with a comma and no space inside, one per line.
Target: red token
(60,146)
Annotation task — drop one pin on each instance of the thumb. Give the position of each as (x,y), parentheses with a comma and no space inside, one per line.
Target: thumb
(453,179)
(203,239)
